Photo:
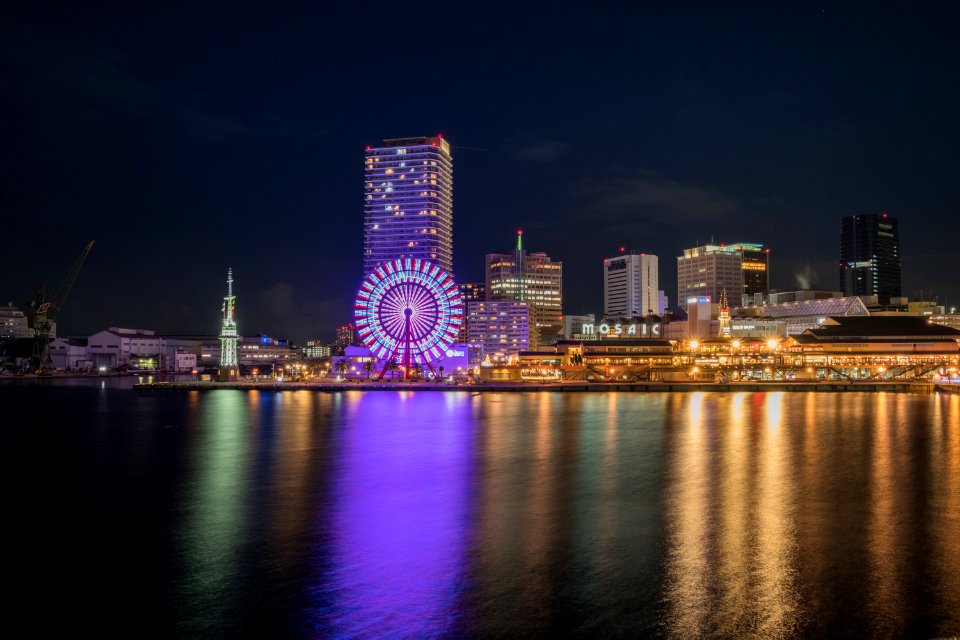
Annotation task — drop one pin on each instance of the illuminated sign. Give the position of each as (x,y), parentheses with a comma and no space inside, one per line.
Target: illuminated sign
(698,300)
(455,353)
(631,329)
(617,265)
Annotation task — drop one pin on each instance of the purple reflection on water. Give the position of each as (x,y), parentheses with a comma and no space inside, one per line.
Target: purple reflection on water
(393,557)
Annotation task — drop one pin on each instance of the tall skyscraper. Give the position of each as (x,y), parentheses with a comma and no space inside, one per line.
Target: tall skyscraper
(755,262)
(535,279)
(870,256)
(630,284)
(408,209)
(706,271)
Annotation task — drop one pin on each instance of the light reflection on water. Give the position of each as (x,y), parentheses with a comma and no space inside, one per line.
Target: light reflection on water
(286,514)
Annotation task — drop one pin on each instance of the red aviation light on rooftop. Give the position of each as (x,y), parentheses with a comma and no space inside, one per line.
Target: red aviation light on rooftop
(440,135)
(622,249)
(369,147)
(884,215)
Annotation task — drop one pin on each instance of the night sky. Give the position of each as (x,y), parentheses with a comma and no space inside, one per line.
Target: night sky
(185,140)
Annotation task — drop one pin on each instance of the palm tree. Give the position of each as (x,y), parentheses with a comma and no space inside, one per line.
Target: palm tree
(391,368)
(440,372)
(417,370)
(342,367)
(368,368)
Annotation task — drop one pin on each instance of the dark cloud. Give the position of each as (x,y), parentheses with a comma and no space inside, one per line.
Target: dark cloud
(541,149)
(280,311)
(211,127)
(633,194)
(111,86)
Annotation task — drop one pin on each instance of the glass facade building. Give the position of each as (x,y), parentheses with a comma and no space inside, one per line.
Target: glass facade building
(408,202)
(870,256)
(755,262)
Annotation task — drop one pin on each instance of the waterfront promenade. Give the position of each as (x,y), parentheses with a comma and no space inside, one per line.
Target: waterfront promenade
(579,387)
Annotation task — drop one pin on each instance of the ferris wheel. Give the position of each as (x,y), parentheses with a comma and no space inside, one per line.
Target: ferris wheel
(408,311)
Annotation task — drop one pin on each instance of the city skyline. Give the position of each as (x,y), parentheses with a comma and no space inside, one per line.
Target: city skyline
(182,164)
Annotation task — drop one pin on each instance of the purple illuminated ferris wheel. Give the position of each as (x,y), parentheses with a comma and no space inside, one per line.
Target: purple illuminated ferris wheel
(408,311)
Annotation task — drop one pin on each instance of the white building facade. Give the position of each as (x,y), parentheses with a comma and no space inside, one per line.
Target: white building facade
(630,286)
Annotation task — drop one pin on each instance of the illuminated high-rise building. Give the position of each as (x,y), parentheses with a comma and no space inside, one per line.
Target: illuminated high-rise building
(703,272)
(755,262)
(630,284)
(500,327)
(470,292)
(228,331)
(345,338)
(533,278)
(408,207)
(870,256)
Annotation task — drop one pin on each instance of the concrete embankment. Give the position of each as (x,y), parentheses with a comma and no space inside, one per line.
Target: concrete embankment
(497,387)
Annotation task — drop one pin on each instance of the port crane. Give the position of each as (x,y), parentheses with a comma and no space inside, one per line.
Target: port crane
(46,312)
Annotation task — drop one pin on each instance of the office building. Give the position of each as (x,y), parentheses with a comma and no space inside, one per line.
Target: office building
(315,349)
(532,278)
(469,291)
(500,327)
(704,272)
(755,262)
(408,208)
(472,291)
(630,284)
(870,256)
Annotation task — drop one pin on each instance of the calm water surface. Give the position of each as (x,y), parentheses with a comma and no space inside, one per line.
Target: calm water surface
(415,514)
